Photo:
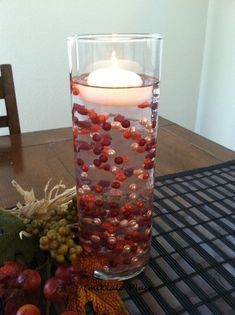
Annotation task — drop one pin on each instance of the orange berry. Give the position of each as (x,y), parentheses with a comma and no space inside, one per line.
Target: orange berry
(75,90)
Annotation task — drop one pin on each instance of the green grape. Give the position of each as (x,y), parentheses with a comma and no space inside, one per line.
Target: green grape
(44,246)
(53,253)
(44,240)
(69,242)
(55,234)
(53,245)
(63,222)
(63,249)
(60,258)
(72,257)
(51,234)
(63,230)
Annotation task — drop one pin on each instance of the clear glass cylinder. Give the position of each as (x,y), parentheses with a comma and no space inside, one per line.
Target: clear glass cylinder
(115,93)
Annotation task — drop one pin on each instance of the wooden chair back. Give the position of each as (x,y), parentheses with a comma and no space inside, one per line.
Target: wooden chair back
(7,92)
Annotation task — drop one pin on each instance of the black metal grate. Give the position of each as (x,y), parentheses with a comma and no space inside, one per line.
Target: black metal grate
(192,269)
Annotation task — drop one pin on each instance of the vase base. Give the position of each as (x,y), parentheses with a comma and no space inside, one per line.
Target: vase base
(103,275)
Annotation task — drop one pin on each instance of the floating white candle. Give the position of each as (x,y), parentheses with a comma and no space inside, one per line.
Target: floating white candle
(114,86)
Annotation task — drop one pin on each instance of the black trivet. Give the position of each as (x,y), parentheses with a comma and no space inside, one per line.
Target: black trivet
(192,267)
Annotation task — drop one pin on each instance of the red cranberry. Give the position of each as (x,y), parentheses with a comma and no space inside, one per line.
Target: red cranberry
(150,155)
(96,137)
(97,151)
(106,126)
(80,162)
(144,105)
(140,204)
(146,175)
(148,147)
(113,205)
(126,134)
(98,189)
(83,124)
(102,118)
(96,162)
(83,145)
(104,183)
(82,110)
(109,228)
(106,141)
(128,172)
(85,168)
(99,203)
(149,166)
(93,116)
(103,158)
(107,167)
(119,118)
(113,213)
(75,90)
(142,142)
(118,160)
(115,184)
(154,106)
(125,123)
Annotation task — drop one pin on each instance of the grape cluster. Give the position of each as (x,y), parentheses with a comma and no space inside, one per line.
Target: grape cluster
(58,234)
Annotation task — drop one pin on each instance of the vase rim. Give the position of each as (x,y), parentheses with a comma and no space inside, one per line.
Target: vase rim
(115,37)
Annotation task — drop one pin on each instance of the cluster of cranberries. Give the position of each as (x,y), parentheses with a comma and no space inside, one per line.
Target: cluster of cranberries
(115,217)
(54,290)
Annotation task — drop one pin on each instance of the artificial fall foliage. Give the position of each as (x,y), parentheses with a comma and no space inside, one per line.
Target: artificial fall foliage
(103,295)
(11,246)
(84,289)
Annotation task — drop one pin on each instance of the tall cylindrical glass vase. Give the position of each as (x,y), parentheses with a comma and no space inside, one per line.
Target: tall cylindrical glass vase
(115,92)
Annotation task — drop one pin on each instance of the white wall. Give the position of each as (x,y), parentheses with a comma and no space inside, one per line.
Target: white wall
(33,39)
(216,107)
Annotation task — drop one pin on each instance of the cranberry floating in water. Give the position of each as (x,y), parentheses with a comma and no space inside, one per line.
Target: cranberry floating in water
(83,145)
(119,118)
(125,123)
(103,158)
(80,162)
(82,110)
(127,134)
(115,184)
(97,151)
(118,160)
(104,183)
(128,172)
(99,202)
(142,142)
(106,126)
(75,90)
(97,162)
(106,141)
(114,158)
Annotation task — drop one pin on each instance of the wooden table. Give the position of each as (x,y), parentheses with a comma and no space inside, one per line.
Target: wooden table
(32,158)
